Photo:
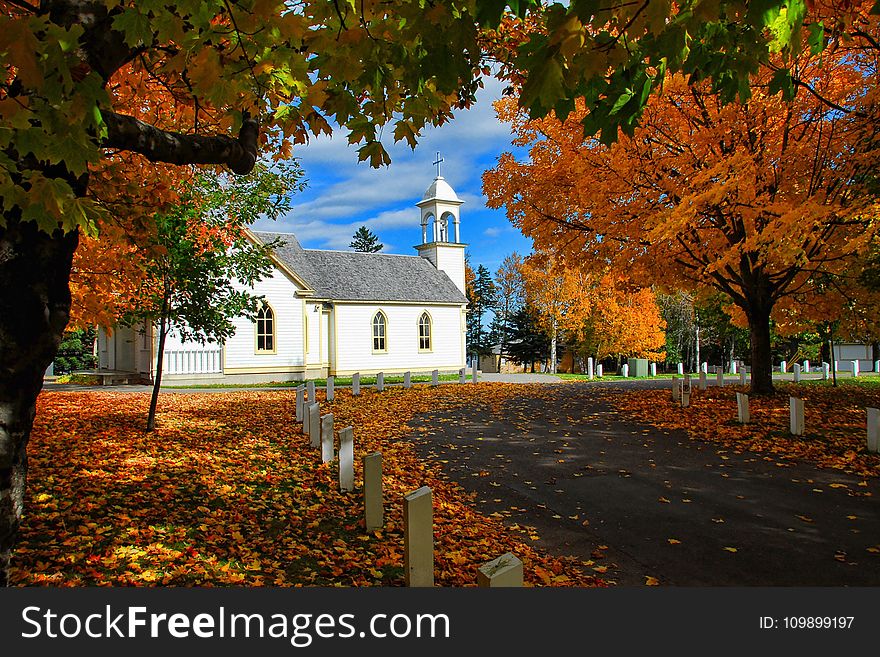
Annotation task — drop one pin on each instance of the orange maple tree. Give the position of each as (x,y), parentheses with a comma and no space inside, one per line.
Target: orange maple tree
(599,313)
(756,200)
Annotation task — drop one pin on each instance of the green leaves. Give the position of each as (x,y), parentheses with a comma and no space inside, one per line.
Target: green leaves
(136,27)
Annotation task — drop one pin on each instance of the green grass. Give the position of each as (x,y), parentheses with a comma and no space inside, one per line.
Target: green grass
(611,377)
(339,381)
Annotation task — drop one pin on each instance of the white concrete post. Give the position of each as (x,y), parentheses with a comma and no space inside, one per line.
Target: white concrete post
(305,419)
(704,367)
(461,375)
(703,382)
(653,369)
(685,391)
(742,408)
(837,366)
(407,380)
(380,382)
(874,430)
(680,369)
(719,377)
(599,371)
(505,571)
(590,371)
(373,511)
(356,384)
(315,425)
(327,438)
(783,367)
(310,388)
(826,371)
(418,538)
(796,416)
(676,389)
(742,377)
(300,399)
(435,378)
(797,372)
(331,388)
(474,371)
(733,367)
(624,370)
(876,366)
(855,368)
(806,369)
(346,459)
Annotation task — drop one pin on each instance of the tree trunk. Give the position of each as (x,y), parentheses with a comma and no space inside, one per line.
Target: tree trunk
(553,348)
(160,352)
(759,338)
(34,310)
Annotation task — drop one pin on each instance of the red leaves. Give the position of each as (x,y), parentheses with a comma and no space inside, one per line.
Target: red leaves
(227,491)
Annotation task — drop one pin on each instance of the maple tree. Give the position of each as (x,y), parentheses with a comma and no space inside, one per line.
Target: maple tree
(90,82)
(205,264)
(596,314)
(91,86)
(755,200)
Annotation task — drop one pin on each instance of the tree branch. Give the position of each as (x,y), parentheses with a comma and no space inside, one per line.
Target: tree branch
(128,133)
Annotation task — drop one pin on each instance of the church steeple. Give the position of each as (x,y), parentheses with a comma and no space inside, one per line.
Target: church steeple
(440,211)
(441,237)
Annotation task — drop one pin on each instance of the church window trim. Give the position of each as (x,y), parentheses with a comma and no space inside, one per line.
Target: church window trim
(265,339)
(379,333)
(426,337)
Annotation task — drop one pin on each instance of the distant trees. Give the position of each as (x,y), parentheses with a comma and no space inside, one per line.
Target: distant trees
(482,298)
(365,241)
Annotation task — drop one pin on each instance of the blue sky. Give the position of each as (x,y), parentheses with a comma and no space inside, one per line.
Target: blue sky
(343,194)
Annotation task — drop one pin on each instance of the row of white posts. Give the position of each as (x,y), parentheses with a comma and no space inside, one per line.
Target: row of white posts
(308,389)
(418,508)
(797,425)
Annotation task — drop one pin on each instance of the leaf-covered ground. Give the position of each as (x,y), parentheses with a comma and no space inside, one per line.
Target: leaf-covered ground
(835,421)
(228,492)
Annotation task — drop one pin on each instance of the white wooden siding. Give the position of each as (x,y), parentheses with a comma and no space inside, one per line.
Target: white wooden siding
(279,293)
(313,312)
(451,260)
(354,350)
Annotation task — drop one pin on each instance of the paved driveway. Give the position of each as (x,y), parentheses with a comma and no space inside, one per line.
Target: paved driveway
(643,503)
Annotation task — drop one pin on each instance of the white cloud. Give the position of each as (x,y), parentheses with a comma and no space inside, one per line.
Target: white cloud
(492,232)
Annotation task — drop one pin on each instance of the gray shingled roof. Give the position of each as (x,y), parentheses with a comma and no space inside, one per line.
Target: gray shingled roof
(354,276)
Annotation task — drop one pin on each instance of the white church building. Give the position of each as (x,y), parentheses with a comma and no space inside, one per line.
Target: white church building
(329,313)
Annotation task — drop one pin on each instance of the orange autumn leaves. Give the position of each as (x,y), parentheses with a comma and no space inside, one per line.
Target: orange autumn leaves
(835,422)
(227,491)
(600,313)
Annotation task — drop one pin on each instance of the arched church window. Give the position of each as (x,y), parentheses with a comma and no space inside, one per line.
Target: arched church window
(265,329)
(379,332)
(425,332)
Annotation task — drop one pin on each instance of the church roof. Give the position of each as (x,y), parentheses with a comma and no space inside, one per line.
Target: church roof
(355,276)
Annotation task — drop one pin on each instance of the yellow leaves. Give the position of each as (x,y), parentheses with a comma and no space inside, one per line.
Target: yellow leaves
(673,541)
(730,549)
(228,492)
(663,500)
(651,581)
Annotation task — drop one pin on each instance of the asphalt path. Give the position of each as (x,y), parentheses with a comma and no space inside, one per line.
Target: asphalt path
(564,466)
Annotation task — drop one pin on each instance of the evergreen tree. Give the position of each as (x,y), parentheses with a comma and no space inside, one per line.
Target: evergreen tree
(528,342)
(482,297)
(365,241)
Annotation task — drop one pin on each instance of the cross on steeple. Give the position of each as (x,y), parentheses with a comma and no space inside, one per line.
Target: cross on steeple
(437,162)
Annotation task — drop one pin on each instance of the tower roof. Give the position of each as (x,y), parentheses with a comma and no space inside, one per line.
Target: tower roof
(440,190)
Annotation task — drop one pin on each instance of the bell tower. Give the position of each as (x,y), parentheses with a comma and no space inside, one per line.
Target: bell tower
(441,235)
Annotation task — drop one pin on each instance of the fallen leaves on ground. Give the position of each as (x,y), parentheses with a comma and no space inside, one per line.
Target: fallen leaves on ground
(228,492)
(835,422)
